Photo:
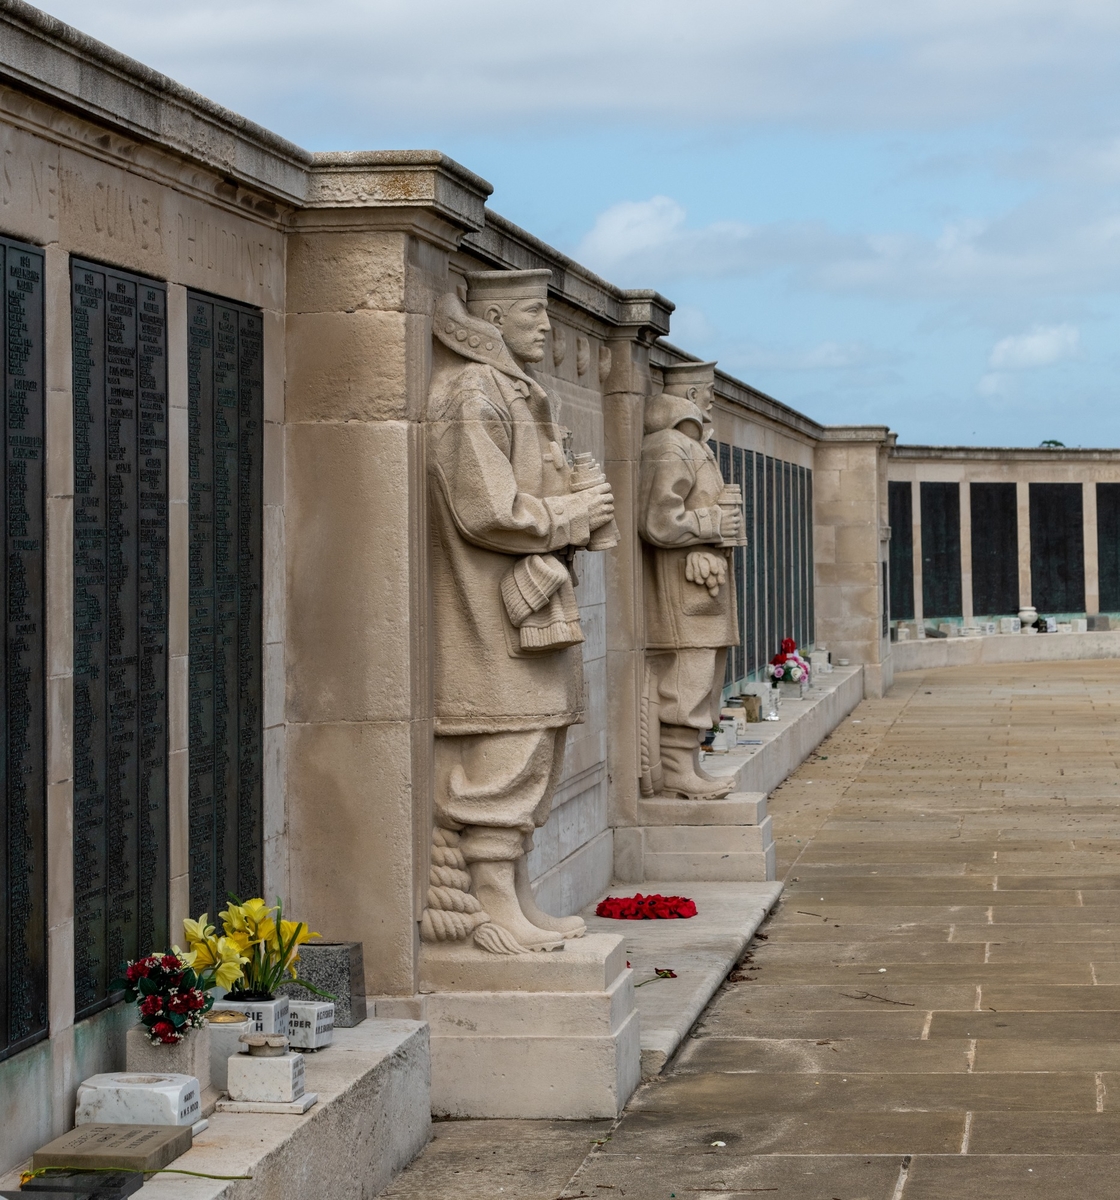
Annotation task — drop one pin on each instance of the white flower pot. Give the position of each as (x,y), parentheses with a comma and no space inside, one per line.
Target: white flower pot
(268,1016)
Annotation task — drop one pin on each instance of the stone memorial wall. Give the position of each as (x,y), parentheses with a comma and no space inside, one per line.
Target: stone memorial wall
(120,623)
(232,436)
(1009,528)
(23,832)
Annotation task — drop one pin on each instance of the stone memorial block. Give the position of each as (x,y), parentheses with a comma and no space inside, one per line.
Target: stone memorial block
(336,968)
(1098,623)
(225,1041)
(126,1147)
(23,873)
(225,424)
(119,335)
(278,1080)
(127,1098)
(107,1185)
(1079,625)
(311,1024)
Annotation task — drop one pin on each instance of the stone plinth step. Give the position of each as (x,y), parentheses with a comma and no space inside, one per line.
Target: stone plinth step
(535,1035)
(687,852)
(740,808)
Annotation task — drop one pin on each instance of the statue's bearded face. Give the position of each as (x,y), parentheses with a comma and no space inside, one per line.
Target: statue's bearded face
(524,325)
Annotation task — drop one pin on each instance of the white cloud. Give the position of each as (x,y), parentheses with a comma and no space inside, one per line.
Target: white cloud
(830,62)
(1040,347)
(1031,250)
(824,356)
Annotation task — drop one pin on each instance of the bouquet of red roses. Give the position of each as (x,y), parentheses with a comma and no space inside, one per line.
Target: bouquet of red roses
(167,994)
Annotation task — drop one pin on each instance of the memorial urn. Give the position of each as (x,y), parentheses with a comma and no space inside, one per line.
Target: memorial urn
(1028,615)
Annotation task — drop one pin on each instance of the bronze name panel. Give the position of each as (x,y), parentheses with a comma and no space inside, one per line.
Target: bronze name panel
(120,624)
(23,774)
(225,355)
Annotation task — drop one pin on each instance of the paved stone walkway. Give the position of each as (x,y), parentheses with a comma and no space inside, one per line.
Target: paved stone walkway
(933,1012)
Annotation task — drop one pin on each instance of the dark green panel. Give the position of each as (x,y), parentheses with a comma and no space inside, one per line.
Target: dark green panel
(1057,548)
(810,558)
(739,567)
(900,508)
(226,430)
(941,550)
(1108,546)
(119,329)
(772,640)
(995,549)
(23,838)
(724,460)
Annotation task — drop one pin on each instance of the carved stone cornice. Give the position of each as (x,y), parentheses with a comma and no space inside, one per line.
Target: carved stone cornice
(48,58)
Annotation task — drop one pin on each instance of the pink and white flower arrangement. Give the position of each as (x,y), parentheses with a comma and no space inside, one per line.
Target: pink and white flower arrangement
(788,666)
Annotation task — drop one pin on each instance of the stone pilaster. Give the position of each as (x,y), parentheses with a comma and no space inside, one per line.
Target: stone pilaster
(366,258)
(624,393)
(851,537)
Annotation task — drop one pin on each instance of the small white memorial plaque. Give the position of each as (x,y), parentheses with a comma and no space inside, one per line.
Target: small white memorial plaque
(311,1024)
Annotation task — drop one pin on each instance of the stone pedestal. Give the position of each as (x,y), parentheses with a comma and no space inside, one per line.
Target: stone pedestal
(548,1035)
(716,840)
(191,1056)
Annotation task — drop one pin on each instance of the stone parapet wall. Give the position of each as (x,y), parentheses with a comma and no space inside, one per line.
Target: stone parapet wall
(345,257)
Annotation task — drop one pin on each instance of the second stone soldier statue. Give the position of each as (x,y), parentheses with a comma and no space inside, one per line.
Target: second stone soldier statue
(689,589)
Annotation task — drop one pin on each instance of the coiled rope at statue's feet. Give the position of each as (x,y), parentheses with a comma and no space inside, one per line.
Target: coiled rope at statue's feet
(453,913)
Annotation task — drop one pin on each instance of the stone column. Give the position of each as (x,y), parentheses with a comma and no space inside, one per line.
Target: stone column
(916,523)
(967,605)
(366,258)
(849,534)
(1023,504)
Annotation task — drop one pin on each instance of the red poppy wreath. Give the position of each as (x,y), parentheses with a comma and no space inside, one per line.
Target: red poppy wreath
(646,908)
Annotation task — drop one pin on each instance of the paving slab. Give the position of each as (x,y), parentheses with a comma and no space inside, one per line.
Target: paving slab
(943,1025)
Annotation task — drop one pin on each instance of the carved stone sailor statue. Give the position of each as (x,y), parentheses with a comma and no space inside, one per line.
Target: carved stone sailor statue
(509,509)
(688,587)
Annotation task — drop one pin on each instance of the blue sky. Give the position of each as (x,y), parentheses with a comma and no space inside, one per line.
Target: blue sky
(877,211)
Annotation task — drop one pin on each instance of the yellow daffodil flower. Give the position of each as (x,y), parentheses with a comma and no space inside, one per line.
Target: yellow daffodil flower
(197,931)
(186,957)
(230,961)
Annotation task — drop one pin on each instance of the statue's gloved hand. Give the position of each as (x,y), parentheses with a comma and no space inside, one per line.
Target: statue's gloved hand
(731,524)
(600,504)
(706,569)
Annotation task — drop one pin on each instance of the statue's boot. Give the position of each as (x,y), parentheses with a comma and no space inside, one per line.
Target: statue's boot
(494,885)
(680,760)
(567,927)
